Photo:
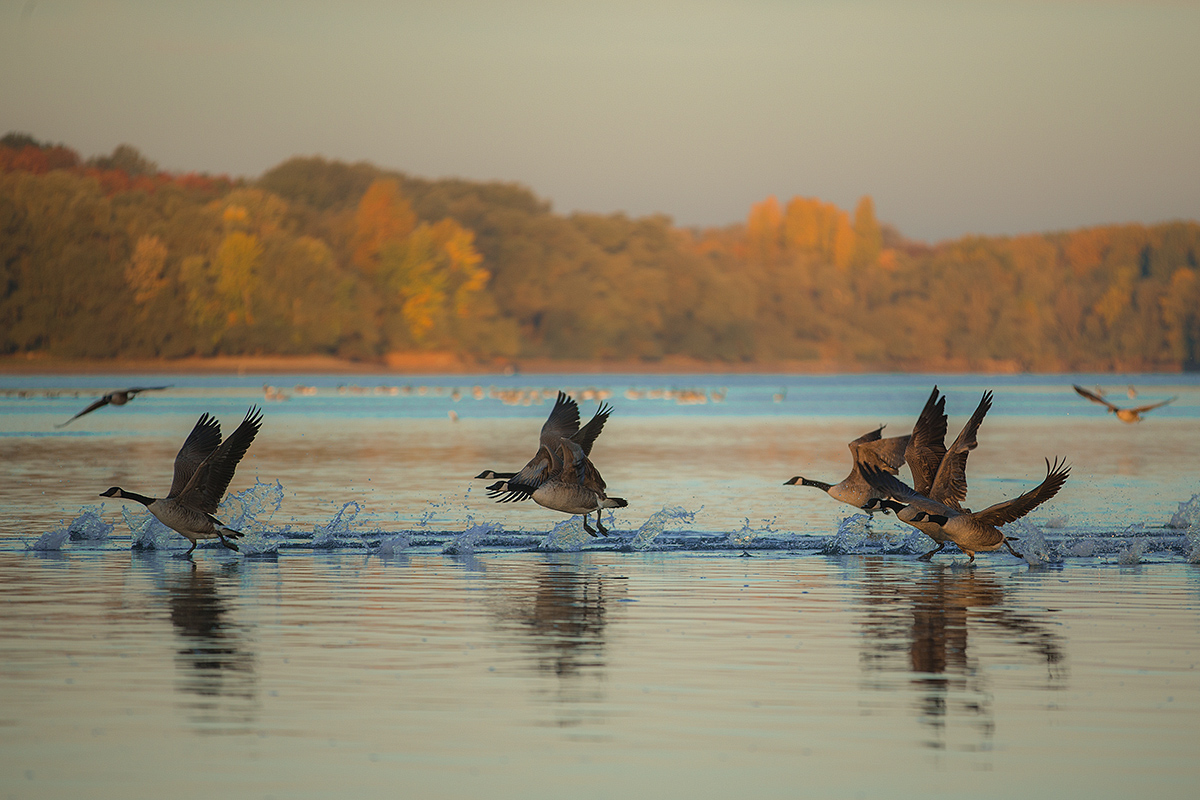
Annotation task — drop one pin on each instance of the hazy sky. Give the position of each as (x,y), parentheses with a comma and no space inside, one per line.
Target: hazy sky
(967,116)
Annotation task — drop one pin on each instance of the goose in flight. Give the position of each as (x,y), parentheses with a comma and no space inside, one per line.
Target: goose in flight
(204,467)
(972,531)
(948,484)
(563,423)
(569,483)
(886,454)
(117,398)
(1130,415)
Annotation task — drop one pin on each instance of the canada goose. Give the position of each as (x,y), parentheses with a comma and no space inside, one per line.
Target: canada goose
(887,454)
(204,467)
(118,398)
(1130,415)
(948,484)
(571,484)
(563,423)
(976,531)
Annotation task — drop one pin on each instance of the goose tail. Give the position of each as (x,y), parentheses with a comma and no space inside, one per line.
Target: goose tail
(614,502)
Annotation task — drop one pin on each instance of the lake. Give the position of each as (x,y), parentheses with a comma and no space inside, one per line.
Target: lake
(389,630)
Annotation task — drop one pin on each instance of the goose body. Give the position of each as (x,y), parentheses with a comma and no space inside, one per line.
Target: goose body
(204,467)
(1129,415)
(571,484)
(886,454)
(117,398)
(976,531)
(563,423)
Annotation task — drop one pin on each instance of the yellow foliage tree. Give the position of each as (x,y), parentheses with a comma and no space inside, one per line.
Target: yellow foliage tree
(384,217)
(237,264)
(144,272)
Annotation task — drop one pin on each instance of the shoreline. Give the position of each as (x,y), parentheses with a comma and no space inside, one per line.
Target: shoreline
(448,364)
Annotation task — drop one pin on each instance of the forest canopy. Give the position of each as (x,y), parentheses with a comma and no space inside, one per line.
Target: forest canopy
(112,257)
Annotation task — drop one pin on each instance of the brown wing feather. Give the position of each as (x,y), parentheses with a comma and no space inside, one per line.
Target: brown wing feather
(927,446)
(950,483)
(1012,510)
(206,488)
(204,439)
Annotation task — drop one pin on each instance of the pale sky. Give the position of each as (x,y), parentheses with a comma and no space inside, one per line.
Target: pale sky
(957,117)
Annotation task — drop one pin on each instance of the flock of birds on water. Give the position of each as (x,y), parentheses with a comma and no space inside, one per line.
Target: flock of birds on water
(562,477)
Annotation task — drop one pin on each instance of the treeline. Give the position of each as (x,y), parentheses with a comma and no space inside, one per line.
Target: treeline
(112,257)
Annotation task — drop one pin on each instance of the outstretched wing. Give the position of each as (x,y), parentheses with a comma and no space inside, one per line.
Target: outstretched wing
(585,437)
(886,454)
(531,476)
(204,439)
(146,389)
(950,483)
(1144,409)
(927,446)
(103,401)
(562,422)
(1095,398)
(1011,510)
(207,486)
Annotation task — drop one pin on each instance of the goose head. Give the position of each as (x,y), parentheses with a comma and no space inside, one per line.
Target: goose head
(113,492)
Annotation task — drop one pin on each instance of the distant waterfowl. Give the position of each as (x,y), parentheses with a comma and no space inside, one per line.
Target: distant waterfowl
(948,484)
(886,454)
(117,398)
(571,484)
(1130,415)
(204,467)
(972,531)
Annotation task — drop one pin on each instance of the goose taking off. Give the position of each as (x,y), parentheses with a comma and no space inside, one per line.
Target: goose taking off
(886,454)
(563,423)
(1130,415)
(976,531)
(118,398)
(948,485)
(203,469)
(570,483)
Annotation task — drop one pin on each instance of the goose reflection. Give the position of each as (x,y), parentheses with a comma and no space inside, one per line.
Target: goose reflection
(216,670)
(940,634)
(559,618)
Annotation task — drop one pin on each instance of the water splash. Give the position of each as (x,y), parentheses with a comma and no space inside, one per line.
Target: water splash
(1133,552)
(147,532)
(338,531)
(89,526)
(857,535)
(52,540)
(1033,544)
(652,527)
(744,538)
(1188,515)
(465,543)
(567,536)
(251,509)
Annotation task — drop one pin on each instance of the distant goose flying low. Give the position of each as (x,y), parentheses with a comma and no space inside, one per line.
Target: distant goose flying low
(118,398)
(976,531)
(203,469)
(1130,415)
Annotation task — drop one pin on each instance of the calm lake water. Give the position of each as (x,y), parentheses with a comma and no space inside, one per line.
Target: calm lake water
(390,631)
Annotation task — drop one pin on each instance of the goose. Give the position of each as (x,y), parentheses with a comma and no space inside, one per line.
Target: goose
(571,484)
(888,454)
(948,485)
(117,398)
(204,467)
(562,423)
(972,531)
(1130,415)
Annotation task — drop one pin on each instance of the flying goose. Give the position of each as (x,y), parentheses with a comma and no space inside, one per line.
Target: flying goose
(948,485)
(117,398)
(570,483)
(204,467)
(887,454)
(976,531)
(1130,415)
(563,423)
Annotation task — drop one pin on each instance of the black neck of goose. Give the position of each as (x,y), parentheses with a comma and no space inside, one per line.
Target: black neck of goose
(824,487)
(141,498)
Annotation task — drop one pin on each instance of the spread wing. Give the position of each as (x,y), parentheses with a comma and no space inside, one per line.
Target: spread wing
(1014,509)
(562,422)
(103,401)
(532,475)
(1095,398)
(927,446)
(950,482)
(134,391)
(1144,409)
(585,437)
(886,454)
(207,486)
(204,439)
